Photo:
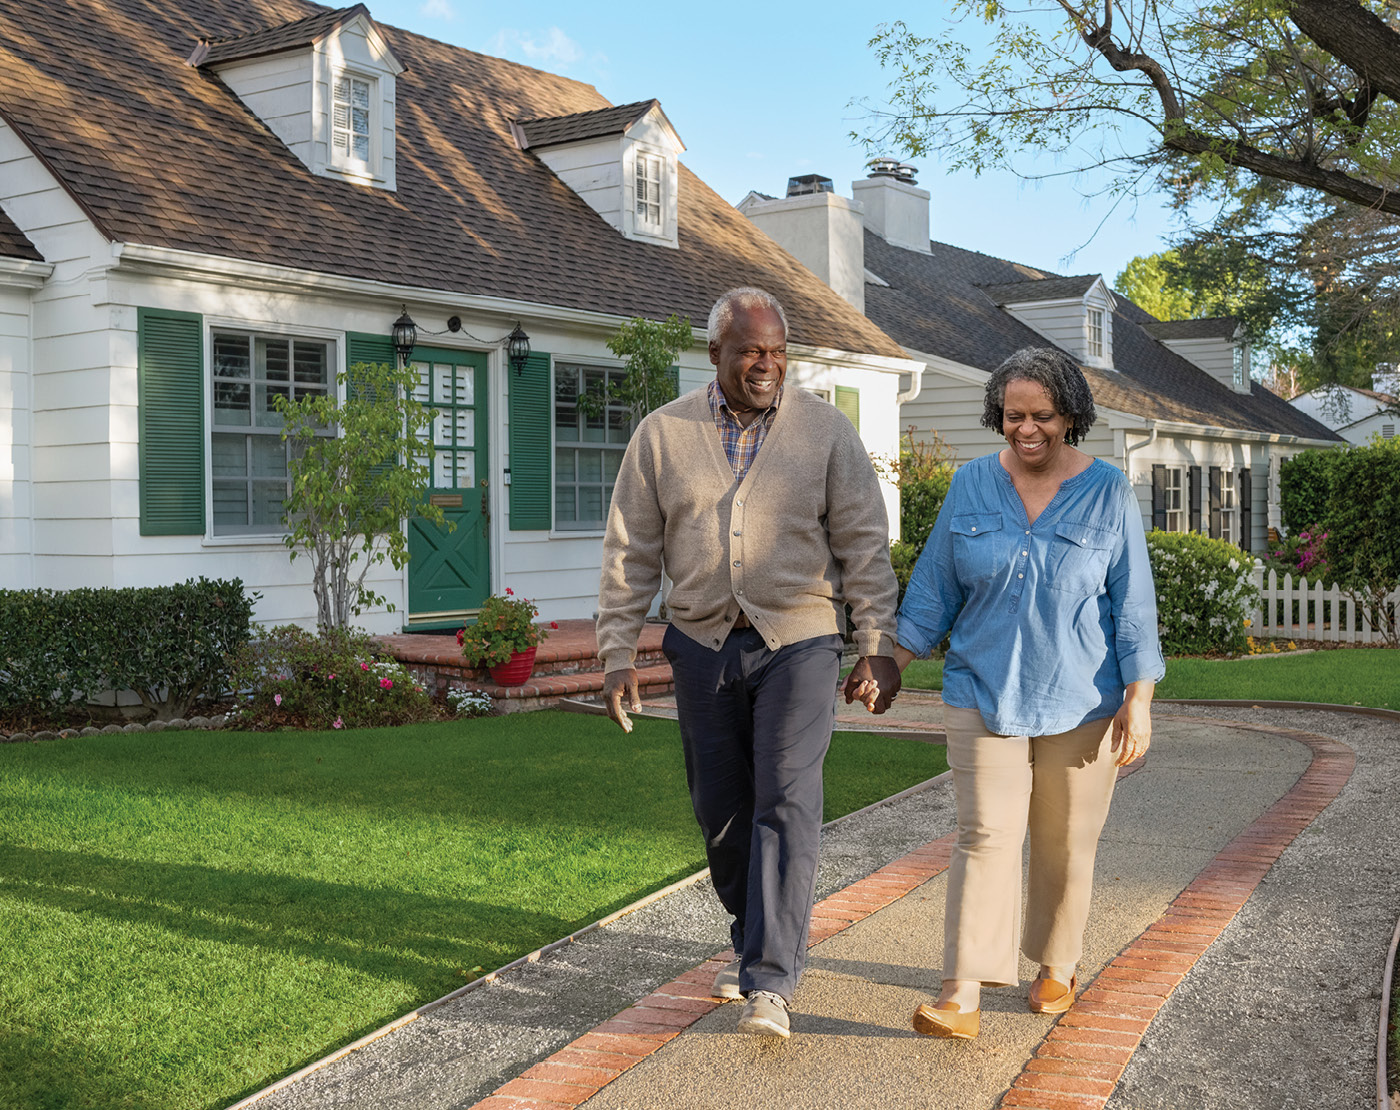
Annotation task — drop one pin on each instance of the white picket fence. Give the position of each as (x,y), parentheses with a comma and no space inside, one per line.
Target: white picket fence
(1322,614)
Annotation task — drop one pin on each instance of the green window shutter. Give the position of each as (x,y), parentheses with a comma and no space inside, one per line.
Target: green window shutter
(848,401)
(530,421)
(170,392)
(364,347)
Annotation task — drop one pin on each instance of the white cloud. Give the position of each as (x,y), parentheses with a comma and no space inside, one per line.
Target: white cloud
(553,47)
(437,9)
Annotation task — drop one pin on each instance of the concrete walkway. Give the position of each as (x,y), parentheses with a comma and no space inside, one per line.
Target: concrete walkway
(1246,895)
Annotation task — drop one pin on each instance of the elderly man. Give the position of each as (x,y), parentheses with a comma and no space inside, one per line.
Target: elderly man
(763,507)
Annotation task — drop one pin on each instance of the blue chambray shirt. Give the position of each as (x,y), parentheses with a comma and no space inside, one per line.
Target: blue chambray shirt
(1049,622)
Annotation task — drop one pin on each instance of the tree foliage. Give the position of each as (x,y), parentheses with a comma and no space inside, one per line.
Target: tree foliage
(648,349)
(358,470)
(1168,91)
(922,473)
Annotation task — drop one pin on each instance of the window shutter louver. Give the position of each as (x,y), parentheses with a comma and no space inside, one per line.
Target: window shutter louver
(1194,524)
(1215,502)
(1159,497)
(363,347)
(848,402)
(170,399)
(531,476)
(1246,497)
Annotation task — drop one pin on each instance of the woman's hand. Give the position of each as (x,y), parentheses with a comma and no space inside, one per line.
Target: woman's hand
(1132,724)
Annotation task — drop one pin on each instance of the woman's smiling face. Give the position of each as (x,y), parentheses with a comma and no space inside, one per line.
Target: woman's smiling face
(1032,425)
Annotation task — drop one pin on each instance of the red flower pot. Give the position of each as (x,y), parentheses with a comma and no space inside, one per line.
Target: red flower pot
(516,669)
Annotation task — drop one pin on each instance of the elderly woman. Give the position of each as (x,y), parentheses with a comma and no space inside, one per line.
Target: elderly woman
(1037,569)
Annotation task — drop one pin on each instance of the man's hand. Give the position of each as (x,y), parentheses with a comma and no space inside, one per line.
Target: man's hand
(875,681)
(615,684)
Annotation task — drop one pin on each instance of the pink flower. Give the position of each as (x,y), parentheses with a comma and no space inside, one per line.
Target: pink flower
(386,683)
(337,723)
(509,592)
(331,677)
(364,666)
(553,624)
(461,635)
(276,699)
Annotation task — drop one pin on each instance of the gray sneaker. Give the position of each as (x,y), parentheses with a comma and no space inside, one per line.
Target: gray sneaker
(727,981)
(765,1014)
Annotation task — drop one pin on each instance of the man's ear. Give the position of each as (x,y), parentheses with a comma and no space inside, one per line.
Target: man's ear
(714,353)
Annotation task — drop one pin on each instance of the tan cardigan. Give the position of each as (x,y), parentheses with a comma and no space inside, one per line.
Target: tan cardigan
(804,533)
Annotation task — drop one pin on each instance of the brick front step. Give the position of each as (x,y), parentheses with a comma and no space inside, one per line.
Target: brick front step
(566,666)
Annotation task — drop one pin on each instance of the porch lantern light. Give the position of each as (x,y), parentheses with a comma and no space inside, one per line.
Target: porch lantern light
(517,348)
(405,334)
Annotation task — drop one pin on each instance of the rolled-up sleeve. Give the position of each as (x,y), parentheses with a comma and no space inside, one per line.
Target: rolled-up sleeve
(934,597)
(1132,598)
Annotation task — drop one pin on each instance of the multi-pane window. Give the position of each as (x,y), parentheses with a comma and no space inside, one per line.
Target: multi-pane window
(1096,333)
(588,446)
(648,189)
(1228,516)
(448,392)
(350,119)
(1172,499)
(1237,371)
(248,457)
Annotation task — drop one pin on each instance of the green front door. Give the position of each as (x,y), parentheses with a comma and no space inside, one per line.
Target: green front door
(449,573)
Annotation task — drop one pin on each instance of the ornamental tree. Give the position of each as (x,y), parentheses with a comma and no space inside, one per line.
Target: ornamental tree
(649,349)
(358,470)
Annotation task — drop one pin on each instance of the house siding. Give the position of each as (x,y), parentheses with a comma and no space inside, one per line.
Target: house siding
(278,90)
(16,501)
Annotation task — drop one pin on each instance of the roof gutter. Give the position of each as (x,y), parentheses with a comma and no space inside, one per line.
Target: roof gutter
(915,388)
(1130,448)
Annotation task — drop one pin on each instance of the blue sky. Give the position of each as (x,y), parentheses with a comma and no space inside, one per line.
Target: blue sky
(760,92)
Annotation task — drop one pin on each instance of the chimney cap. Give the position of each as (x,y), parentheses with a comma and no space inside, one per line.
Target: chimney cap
(809,183)
(890,167)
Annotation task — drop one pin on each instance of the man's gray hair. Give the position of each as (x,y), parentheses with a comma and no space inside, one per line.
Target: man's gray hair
(746,298)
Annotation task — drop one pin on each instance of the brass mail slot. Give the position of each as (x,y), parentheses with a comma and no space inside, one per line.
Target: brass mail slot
(446,500)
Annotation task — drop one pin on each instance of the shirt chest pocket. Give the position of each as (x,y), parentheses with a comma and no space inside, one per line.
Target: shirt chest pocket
(1078,559)
(979,546)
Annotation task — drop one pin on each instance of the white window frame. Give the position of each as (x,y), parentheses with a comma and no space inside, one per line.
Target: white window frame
(1228,505)
(1237,367)
(1095,332)
(347,159)
(1174,498)
(616,429)
(332,341)
(649,192)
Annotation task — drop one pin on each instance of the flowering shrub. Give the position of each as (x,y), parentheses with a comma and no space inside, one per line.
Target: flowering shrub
(1303,555)
(340,679)
(1205,593)
(504,626)
(469,703)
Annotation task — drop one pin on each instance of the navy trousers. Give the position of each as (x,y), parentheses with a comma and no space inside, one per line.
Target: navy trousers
(755,726)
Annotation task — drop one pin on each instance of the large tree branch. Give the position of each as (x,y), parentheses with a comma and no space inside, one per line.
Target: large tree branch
(1356,37)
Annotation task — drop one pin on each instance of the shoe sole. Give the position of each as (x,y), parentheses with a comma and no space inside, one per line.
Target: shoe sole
(729,994)
(762,1028)
(930,1027)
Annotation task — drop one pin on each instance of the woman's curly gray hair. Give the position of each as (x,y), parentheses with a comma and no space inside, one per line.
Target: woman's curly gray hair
(745,297)
(1058,374)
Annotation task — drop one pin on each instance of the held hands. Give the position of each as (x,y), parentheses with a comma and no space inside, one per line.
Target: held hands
(615,685)
(874,681)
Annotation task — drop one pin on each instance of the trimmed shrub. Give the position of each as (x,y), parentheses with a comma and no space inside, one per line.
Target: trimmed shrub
(342,678)
(1205,593)
(167,644)
(1305,486)
(923,473)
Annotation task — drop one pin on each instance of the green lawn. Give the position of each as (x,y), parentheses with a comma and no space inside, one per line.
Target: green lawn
(1343,676)
(184,917)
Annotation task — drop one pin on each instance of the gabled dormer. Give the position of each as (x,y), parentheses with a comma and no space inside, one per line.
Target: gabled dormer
(324,85)
(1074,313)
(624,161)
(1219,345)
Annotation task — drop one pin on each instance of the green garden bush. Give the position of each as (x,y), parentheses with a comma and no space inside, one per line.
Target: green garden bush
(167,644)
(923,473)
(341,678)
(1205,593)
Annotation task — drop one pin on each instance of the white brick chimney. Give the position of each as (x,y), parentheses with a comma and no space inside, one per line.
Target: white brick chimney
(821,230)
(896,209)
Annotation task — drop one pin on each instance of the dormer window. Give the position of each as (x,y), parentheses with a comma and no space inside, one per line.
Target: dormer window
(1096,333)
(350,119)
(649,171)
(622,161)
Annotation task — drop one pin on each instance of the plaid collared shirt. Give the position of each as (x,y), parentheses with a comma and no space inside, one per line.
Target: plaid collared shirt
(741,444)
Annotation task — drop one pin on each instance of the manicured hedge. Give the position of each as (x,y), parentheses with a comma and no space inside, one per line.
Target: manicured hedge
(1205,592)
(168,644)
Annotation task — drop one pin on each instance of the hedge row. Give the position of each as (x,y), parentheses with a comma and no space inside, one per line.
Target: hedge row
(170,645)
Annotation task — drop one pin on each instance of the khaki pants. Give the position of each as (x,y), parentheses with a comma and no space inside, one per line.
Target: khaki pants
(1060,787)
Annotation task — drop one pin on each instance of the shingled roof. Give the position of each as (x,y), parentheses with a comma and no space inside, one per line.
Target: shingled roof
(161,153)
(14,243)
(274,40)
(1039,289)
(1211,327)
(584,125)
(937,304)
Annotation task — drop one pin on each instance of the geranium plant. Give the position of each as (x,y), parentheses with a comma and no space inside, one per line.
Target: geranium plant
(505,625)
